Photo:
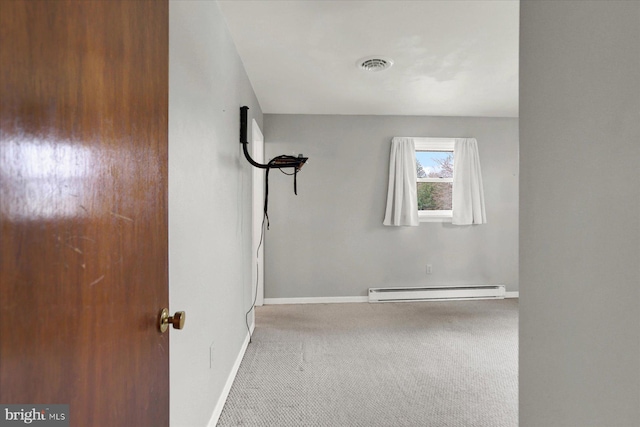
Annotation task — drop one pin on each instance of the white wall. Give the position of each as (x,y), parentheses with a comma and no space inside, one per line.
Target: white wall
(209,207)
(329,240)
(580,214)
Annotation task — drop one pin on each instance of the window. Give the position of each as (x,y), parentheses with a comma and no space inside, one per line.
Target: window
(434,163)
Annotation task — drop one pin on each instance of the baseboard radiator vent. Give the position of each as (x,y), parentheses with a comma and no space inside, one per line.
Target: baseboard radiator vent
(439,293)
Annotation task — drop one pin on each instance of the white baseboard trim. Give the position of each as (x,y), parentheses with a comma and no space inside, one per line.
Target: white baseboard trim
(336,300)
(217,411)
(314,300)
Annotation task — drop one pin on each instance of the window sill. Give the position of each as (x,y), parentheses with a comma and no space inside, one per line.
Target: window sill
(440,216)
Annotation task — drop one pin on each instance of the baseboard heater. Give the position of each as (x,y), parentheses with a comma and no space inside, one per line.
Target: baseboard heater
(437,293)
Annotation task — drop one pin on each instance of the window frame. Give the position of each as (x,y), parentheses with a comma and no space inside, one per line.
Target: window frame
(435,144)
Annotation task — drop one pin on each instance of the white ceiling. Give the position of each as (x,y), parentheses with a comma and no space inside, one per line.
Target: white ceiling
(452,58)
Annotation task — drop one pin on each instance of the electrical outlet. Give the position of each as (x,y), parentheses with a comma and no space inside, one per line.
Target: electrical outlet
(429,269)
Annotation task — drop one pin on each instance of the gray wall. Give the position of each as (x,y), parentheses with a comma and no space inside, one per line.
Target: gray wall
(329,240)
(209,207)
(580,214)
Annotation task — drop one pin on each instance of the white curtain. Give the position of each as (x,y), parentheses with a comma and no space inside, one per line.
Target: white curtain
(468,195)
(402,196)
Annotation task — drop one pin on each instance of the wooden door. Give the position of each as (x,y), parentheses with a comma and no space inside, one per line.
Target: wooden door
(83,204)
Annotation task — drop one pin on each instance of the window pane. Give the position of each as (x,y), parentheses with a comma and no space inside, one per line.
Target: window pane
(434,196)
(434,164)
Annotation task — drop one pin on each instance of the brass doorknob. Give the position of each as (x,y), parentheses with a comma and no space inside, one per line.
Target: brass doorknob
(177,320)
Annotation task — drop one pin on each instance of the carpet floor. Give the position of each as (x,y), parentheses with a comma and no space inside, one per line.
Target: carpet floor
(432,364)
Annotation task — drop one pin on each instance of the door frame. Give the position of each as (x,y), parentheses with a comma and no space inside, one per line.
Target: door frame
(257,246)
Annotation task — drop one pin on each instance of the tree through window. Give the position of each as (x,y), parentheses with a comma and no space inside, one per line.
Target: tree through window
(434,163)
(436,193)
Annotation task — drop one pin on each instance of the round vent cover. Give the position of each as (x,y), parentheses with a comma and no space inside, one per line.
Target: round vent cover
(374,63)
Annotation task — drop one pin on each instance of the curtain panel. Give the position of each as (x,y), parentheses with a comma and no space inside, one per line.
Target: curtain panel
(468,193)
(402,194)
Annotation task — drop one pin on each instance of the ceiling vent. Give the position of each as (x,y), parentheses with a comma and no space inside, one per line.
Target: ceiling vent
(374,63)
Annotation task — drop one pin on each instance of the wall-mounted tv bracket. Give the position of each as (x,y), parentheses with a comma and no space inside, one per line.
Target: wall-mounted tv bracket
(278,162)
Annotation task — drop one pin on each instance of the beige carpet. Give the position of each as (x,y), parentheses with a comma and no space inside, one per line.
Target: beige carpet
(440,364)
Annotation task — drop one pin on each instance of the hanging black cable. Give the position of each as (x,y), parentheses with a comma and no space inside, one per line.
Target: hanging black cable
(255,295)
(266,196)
